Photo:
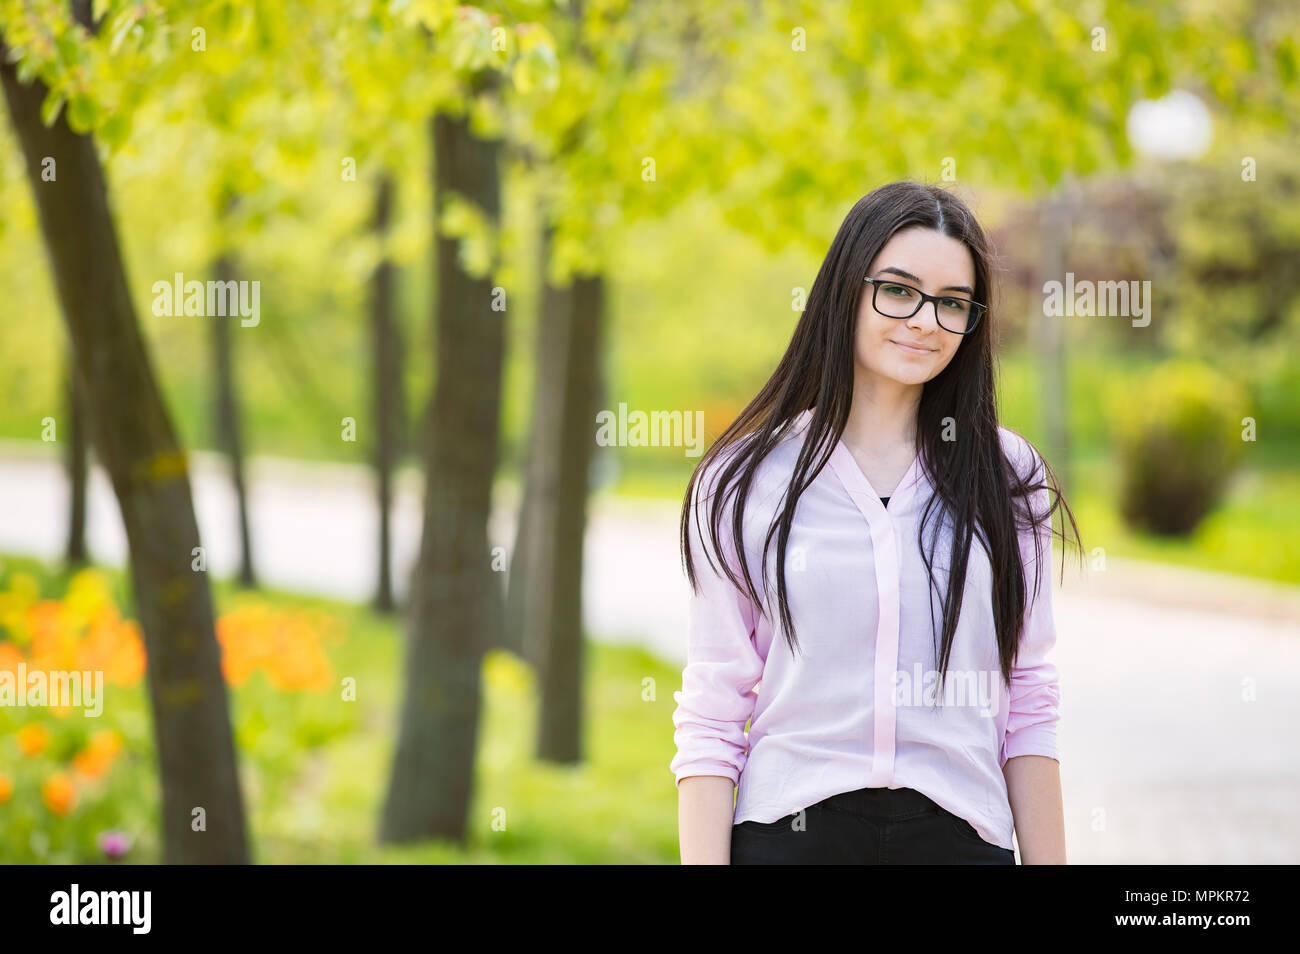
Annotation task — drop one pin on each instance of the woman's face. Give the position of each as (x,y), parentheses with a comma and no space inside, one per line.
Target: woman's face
(936,264)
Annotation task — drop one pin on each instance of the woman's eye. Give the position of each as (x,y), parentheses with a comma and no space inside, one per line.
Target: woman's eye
(895,290)
(955,304)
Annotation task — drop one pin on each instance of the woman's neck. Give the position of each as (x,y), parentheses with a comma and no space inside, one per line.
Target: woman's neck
(882,419)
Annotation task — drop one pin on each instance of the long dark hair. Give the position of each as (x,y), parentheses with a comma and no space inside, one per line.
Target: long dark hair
(979,489)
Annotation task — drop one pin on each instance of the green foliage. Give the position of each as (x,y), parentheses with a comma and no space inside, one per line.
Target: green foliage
(1179,435)
(825,100)
(1236,274)
(269,97)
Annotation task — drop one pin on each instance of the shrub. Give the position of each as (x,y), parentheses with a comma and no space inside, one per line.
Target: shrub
(1179,436)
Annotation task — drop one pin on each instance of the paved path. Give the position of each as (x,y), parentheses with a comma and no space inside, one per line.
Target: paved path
(1179,698)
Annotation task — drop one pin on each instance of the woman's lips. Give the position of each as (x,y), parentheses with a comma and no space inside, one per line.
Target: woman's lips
(912,350)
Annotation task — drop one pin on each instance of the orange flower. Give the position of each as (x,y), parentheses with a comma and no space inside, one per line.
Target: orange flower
(98,756)
(32,739)
(10,657)
(54,638)
(6,788)
(286,645)
(236,634)
(115,647)
(59,793)
(299,662)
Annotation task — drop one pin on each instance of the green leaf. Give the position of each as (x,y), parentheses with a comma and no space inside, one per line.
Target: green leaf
(471,41)
(121,27)
(115,130)
(536,68)
(83,112)
(50,107)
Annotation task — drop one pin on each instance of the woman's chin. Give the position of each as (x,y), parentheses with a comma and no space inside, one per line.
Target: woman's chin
(914,373)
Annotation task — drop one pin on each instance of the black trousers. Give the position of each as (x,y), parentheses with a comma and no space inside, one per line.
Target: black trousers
(870,826)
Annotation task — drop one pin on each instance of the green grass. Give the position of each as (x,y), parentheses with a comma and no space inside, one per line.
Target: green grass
(314,768)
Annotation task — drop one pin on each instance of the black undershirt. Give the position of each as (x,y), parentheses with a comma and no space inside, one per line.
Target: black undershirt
(885,501)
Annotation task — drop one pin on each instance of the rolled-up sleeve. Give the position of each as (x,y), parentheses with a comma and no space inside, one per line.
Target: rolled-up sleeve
(723,665)
(1035,695)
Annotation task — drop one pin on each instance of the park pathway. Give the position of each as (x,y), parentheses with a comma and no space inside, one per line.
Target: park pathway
(1179,694)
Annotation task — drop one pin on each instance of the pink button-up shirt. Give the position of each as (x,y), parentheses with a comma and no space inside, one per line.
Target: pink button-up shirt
(857,707)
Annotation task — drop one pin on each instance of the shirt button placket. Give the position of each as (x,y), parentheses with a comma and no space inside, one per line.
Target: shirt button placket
(884,545)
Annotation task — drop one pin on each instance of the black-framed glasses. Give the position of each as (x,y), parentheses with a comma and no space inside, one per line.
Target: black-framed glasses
(894,299)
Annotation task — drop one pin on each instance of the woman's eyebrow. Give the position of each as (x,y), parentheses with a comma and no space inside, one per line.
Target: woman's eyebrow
(908,275)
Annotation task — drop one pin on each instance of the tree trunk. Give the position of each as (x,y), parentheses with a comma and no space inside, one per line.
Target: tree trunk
(226,413)
(387,393)
(575,347)
(454,605)
(75,461)
(528,594)
(544,599)
(514,630)
(136,443)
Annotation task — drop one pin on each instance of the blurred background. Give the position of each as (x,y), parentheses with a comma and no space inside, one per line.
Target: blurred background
(363,576)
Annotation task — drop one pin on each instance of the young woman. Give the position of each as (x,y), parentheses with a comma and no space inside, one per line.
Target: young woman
(868,485)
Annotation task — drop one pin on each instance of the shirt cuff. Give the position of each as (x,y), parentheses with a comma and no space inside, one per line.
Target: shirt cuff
(1031,740)
(707,767)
